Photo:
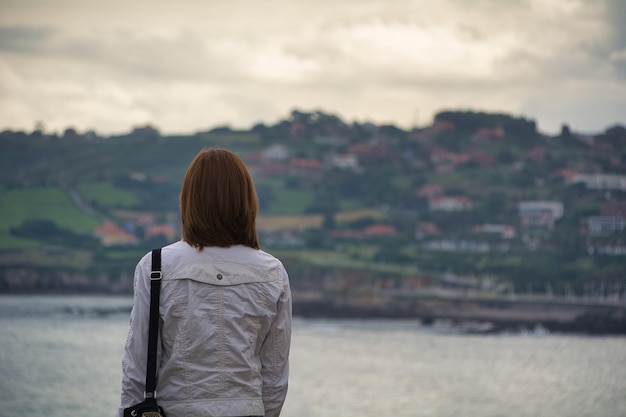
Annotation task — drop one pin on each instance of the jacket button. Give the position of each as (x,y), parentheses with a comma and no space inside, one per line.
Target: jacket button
(219,276)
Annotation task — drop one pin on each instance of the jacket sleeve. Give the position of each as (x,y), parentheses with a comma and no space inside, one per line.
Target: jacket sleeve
(135,351)
(275,354)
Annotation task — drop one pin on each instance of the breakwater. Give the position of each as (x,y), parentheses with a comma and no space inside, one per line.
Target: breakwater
(480,314)
(486,314)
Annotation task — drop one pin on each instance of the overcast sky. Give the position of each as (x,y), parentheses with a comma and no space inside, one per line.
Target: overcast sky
(190,65)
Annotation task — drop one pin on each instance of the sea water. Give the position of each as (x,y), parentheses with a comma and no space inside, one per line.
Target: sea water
(61,356)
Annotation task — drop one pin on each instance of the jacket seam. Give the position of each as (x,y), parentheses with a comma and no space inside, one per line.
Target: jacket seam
(221,342)
(264,275)
(183,342)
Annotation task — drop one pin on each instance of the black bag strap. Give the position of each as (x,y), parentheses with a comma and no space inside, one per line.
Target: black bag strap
(153,332)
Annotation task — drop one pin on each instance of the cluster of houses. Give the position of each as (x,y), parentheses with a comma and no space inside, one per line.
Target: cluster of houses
(133,227)
(277,161)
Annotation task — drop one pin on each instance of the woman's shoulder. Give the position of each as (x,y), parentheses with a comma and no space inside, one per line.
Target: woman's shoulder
(181,253)
(258,253)
(179,247)
(256,259)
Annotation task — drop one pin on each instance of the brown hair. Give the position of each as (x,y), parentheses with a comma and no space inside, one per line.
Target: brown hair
(218,201)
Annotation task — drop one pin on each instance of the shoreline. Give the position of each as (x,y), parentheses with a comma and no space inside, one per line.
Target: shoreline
(486,315)
(480,315)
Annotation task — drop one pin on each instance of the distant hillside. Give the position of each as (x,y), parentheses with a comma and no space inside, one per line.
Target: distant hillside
(473,202)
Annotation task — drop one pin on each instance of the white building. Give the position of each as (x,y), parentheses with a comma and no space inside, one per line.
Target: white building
(605,225)
(600,181)
(277,152)
(344,162)
(540,214)
(505,231)
(442,203)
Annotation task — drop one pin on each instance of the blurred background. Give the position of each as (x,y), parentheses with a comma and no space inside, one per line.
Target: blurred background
(444,181)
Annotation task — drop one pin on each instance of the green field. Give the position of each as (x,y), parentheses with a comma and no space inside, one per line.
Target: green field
(345,259)
(74,259)
(285,201)
(42,203)
(107,196)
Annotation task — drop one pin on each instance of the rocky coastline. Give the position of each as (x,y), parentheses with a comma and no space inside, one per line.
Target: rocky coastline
(475,314)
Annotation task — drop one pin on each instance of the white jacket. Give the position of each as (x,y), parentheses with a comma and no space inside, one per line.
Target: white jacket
(224,334)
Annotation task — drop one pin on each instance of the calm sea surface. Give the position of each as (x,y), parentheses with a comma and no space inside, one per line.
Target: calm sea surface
(61,356)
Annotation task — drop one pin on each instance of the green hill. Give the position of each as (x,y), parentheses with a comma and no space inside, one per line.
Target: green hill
(412,208)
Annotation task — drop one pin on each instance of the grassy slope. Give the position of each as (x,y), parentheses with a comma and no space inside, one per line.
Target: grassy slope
(106,195)
(42,203)
(55,204)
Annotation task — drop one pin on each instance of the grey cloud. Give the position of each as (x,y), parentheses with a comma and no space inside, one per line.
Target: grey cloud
(125,53)
(616,10)
(183,56)
(205,60)
(616,17)
(552,60)
(25,38)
